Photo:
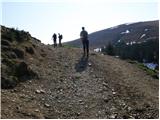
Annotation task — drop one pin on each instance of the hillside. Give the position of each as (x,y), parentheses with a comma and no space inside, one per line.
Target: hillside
(133,32)
(60,83)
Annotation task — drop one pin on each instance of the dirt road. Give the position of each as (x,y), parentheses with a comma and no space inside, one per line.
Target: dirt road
(71,86)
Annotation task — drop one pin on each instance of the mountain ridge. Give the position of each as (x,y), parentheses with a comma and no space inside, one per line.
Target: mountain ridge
(113,34)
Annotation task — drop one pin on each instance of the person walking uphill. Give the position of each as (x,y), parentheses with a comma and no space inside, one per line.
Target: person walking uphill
(60,36)
(54,37)
(85,41)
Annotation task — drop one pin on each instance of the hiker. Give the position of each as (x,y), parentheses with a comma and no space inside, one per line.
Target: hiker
(60,36)
(54,37)
(85,41)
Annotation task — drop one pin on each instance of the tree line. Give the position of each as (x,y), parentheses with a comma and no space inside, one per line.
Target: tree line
(144,52)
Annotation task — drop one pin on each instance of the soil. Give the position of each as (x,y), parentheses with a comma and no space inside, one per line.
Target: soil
(73,86)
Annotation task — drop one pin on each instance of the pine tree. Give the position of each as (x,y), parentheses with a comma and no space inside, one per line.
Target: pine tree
(110,49)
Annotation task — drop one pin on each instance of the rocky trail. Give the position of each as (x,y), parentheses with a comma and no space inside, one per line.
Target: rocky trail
(72,86)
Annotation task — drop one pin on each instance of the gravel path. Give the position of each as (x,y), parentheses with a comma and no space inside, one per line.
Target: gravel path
(72,86)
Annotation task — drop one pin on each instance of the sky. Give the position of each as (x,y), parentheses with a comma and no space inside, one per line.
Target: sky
(42,18)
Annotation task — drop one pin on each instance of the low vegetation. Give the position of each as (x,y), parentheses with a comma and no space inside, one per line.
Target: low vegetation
(14,67)
(153,73)
(14,34)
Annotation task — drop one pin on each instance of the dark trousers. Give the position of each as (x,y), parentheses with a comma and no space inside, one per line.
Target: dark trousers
(85,46)
(55,43)
(60,44)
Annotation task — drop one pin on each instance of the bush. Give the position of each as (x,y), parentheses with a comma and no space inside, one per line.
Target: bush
(8,83)
(23,71)
(109,49)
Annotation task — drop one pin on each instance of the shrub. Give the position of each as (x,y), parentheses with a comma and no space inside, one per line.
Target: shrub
(109,49)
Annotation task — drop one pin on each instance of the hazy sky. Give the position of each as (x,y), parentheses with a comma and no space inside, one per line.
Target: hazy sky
(42,18)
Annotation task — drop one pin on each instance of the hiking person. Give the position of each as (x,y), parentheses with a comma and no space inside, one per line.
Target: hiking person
(54,37)
(85,41)
(60,36)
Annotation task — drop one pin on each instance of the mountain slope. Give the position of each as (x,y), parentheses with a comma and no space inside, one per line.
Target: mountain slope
(68,85)
(68,88)
(134,32)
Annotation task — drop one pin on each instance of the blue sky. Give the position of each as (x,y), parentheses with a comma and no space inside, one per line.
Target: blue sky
(42,18)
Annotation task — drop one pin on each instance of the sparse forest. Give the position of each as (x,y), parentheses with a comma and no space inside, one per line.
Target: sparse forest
(144,52)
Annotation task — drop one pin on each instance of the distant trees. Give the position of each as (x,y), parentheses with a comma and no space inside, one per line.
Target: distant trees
(144,52)
(108,49)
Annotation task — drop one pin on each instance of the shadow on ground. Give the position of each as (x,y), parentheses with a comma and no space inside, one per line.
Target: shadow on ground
(82,64)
